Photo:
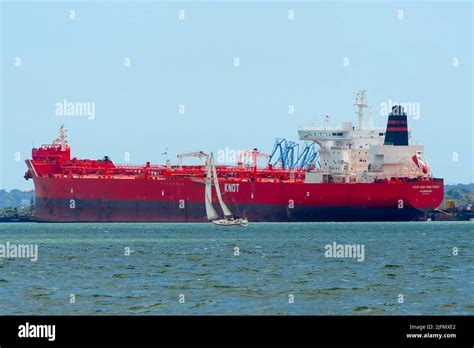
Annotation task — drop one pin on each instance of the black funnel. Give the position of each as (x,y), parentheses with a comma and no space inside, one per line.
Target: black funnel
(397,127)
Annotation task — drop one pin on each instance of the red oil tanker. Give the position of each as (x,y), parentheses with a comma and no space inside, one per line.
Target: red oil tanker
(361,173)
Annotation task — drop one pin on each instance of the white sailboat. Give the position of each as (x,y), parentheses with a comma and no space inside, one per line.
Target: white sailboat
(211,213)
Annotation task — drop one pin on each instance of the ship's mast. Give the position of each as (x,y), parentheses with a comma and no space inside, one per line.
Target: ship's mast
(361,104)
(62,139)
(326,121)
(371,120)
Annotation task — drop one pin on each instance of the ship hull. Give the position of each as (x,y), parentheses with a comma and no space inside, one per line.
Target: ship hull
(57,210)
(182,200)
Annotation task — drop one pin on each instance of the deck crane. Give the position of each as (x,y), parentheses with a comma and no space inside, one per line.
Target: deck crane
(289,155)
(308,156)
(292,150)
(285,153)
(278,157)
(199,154)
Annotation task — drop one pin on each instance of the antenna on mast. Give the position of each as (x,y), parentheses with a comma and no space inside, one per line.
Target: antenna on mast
(361,104)
(62,139)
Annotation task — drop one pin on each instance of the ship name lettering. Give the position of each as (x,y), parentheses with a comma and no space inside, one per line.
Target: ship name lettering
(231,187)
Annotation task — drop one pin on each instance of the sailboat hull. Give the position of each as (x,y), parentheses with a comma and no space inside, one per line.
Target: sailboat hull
(224,222)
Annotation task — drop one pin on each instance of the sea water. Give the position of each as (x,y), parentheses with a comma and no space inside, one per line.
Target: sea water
(265,268)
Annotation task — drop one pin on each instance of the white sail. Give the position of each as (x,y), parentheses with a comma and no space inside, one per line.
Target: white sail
(210,211)
(224,208)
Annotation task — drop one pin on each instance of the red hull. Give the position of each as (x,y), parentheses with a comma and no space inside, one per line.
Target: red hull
(182,199)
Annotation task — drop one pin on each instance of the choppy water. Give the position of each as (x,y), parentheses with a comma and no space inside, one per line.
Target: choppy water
(197,260)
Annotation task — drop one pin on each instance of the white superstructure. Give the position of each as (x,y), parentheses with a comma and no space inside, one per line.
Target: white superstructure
(358,154)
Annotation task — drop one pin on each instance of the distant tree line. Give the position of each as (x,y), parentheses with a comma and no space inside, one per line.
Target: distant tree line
(461,194)
(16,198)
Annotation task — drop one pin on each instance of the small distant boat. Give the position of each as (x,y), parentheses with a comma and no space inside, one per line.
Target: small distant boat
(229,219)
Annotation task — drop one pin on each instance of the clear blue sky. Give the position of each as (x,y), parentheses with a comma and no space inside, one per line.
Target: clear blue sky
(190,62)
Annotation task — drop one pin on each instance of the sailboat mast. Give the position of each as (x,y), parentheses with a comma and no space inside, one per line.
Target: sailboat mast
(210,211)
(224,208)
